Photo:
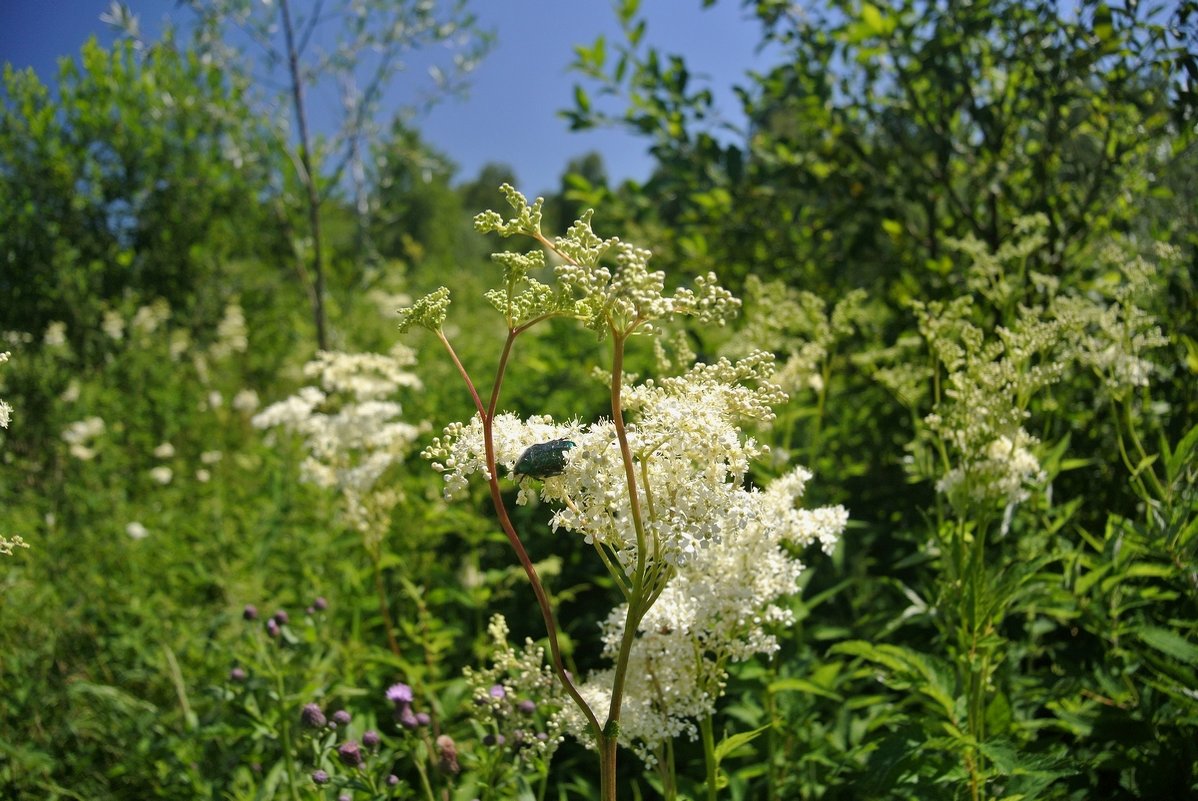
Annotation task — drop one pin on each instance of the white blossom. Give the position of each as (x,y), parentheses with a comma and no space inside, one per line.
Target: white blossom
(79,436)
(162,474)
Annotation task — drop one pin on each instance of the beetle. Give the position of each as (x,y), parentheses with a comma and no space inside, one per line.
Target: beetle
(545,459)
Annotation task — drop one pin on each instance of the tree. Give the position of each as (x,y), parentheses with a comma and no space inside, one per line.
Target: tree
(141,176)
(353,48)
(882,130)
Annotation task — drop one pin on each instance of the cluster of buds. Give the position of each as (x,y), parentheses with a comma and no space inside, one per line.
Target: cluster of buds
(512,719)
(402,697)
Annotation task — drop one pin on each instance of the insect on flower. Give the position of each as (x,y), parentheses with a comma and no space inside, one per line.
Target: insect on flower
(545,459)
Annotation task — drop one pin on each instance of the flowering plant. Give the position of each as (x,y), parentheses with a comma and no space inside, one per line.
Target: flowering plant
(658,491)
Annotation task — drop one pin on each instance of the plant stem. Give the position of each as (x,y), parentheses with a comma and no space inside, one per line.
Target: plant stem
(707,732)
(384,607)
(509,529)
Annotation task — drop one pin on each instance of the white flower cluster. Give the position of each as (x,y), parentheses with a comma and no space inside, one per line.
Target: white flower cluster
(5,409)
(352,434)
(113,325)
(148,319)
(689,454)
(231,334)
(798,326)
(1004,473)
(1112,331)
(721,605)
(80,435)
(55,335)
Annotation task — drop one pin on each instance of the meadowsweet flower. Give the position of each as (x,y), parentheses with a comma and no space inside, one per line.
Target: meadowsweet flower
(162,474)
(352,433)
(56,334)
(246,401)
(231,333)
(164,451)
(147,319)
(80,435)
(684,439)
(113,325)
(136,530)
(724,604)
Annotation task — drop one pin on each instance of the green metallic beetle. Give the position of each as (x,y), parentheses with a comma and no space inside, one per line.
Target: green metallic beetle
(545,459)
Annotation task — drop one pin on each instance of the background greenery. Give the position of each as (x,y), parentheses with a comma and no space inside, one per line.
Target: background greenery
(881,137)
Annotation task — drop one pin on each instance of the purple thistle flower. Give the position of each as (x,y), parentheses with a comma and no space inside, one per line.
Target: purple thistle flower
(392,780)
(527,706)
(400,693)
(404,715)
(497,692)
(280,617)
(341,717)
(250,612)
(370,738)
(422,719)
(350,754)
(237,674)
(272,628)
(320,777)
(311,716)
(320,603)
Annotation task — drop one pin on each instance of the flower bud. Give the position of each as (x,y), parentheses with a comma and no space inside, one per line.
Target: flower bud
(350,754)
(447,755)
(311,716)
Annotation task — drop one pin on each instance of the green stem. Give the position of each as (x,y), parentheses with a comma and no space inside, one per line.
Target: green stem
(707,732)
(285,732)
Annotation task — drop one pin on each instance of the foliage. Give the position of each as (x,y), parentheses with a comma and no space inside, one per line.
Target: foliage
(963,235)
(138,174)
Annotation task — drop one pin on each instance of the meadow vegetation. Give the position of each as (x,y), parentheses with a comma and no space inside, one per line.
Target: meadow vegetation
(854,455)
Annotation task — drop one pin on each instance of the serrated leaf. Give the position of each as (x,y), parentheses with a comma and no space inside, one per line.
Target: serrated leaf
(1170,643)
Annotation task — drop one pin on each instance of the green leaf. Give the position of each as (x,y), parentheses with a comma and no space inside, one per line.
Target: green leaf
(1170,643)
(581,100)
(919,670)
(873,18)
(735,741)
(803,686)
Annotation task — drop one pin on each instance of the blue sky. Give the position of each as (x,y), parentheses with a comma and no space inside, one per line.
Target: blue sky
(510,113)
